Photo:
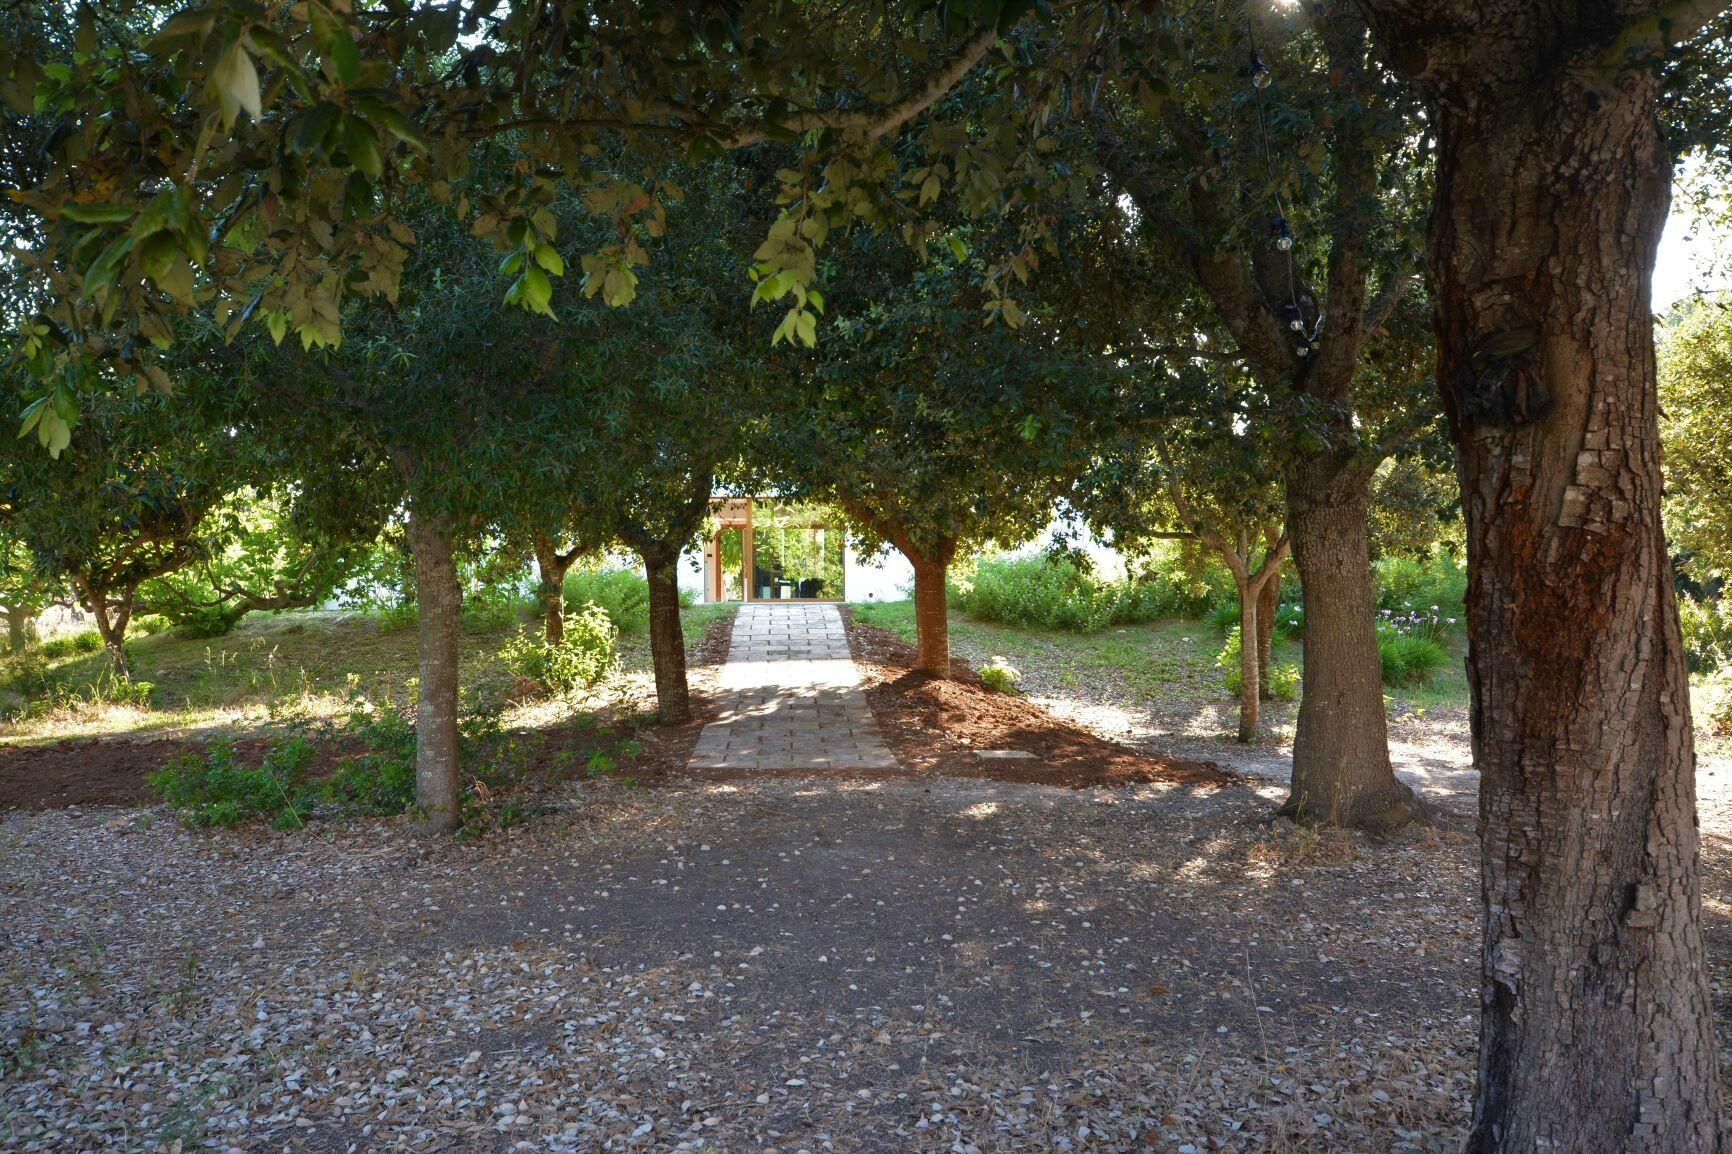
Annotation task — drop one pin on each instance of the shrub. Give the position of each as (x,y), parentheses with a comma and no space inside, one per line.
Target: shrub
(1000,676)
(584,657)
(1283,675)
(380,780)
(490,611)
(1289,619)
(392,618)
(1048,592)
(622,593)
(1408,658)
(1707,627)
(198,622)
(1436,584)
(67,644)
(214,788)
(1224,617)
(1714,703)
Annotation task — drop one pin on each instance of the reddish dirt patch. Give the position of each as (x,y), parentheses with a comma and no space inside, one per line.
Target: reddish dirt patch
(938,726)
(93,770)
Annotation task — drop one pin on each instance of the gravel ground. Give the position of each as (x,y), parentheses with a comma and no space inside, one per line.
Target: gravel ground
(774,965)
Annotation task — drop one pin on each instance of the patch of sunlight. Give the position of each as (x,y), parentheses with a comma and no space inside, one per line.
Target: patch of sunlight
(981,809)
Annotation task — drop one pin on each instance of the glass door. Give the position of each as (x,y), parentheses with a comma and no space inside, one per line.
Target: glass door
(731,564)
(796,554)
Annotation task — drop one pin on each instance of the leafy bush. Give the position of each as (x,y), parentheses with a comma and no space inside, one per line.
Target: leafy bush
(1408,659)
(399,616)
(380,780)
(67,644)
(1436,584)
(1707,627)
(622,593)
(584,657)
(1224,617)
(1047,592)
(197,622)
(214,788)
(1000,676)
(1714,703)
(1289,618)
(490,611)
(1283,675)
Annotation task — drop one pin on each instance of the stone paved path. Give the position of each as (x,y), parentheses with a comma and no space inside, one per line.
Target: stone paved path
(790,697)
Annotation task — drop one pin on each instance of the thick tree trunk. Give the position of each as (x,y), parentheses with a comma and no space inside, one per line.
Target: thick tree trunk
(1249,635)
(1596,1033)
(17,628)
(667,638)
(551,567)
(438,597)
(1268,604)
(1341,769)
(931,615)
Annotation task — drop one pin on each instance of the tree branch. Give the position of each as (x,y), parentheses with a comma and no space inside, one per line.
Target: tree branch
(875,123)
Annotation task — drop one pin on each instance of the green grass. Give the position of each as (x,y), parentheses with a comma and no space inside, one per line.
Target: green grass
(1165,660)
(311,662)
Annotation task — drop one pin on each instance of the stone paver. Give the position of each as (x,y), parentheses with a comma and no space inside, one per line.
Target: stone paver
(789,697)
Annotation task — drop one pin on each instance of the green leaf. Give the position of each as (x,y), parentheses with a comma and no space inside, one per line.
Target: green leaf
(102,272)
(548,258)
(311,127)
(97,213)
(363,147)
(237,85)
(536,294)
(344,58)
(957,248)
(807,326)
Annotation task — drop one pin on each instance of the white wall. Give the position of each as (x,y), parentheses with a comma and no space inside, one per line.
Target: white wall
(885,577)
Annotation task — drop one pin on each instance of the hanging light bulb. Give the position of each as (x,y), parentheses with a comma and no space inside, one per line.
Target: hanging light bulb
(1296,325)
(1302,351)
(1282,232)
(1261,77)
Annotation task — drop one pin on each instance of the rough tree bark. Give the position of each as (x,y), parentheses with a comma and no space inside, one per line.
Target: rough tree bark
(438,597)
(17,628)
(1252,287)
(551,567)
(931,611)
(667,638)
(1268,604)
(112,615)
(1342,774)
(1596,1032)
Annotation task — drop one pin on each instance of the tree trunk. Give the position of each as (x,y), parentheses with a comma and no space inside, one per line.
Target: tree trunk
(931,615)
(438,598)
(17,628)
(1596,1033)
(1249,637)
(1341,769)
(111,621)
(667,638)
(551,567)
(1268,604)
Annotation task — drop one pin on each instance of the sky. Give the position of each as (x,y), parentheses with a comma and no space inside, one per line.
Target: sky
(1687,252)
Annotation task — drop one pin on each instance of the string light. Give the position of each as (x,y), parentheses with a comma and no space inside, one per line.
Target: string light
(1282,232)
(1261,77)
